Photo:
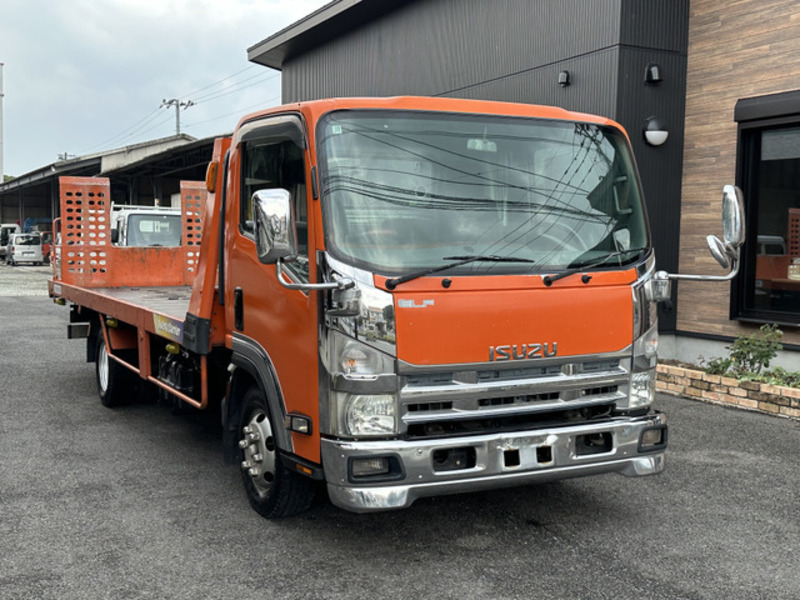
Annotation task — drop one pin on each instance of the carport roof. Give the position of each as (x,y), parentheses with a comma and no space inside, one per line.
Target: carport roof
(92,164)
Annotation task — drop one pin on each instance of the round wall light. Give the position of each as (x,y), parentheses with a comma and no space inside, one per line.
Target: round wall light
(655,131)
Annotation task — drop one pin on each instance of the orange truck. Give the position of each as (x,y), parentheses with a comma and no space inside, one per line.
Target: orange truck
(397,298)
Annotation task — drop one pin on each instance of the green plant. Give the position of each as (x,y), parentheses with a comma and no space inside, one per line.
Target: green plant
(753,353)
(718,366)
(750,355)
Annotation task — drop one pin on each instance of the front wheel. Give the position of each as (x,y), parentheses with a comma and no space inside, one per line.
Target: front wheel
(273,490)
(114,382)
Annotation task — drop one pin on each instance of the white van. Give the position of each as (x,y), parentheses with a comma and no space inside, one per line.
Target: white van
(24,248)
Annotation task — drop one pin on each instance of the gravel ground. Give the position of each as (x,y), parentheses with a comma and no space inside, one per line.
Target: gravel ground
(24,280)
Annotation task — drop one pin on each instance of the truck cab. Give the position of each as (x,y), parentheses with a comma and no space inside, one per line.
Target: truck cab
(495,326)
(146,226)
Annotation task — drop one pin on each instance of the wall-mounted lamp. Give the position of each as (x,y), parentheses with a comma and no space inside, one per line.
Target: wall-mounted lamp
(653,75)
(563,78)
(655,131)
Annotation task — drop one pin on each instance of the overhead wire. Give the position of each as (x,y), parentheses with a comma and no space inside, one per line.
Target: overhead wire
(151,121)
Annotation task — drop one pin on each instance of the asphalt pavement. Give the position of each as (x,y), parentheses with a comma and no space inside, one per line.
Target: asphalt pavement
(135,502)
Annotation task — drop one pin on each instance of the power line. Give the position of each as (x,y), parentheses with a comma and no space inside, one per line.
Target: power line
(264,77)
(263,104)
(223,80)
(129,131)
(143,125)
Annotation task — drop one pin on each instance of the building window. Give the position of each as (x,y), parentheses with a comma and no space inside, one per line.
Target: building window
(768,287)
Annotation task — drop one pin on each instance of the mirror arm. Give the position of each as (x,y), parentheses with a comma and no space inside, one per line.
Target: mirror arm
(663,275)
(345,283)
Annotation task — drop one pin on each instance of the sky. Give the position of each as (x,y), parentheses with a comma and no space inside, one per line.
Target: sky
(83,76)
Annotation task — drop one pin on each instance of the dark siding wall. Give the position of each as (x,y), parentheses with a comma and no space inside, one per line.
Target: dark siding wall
(447,47)
(660,168)
(655,25)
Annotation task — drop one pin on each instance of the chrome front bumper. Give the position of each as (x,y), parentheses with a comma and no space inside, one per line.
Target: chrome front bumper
(540,455)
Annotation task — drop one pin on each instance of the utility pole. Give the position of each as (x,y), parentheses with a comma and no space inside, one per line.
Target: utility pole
(178,105)
(2,177)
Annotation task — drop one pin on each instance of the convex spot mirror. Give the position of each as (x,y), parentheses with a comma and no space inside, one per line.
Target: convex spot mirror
(275,228)
(725,251)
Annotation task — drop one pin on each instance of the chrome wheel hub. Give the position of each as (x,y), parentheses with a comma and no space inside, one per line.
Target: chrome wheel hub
(258,446)
(103,368)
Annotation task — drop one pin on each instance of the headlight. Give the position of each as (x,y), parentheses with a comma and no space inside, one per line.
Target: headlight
(367,415)
(363,394)
(642,389)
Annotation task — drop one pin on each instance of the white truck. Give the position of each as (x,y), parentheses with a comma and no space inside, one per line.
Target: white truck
(142,226)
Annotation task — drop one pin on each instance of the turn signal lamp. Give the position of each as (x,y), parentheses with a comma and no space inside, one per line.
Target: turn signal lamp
(298,423)
(211,176)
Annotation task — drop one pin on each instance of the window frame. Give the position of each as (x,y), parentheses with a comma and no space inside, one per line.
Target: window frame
(755,116)
(274,130)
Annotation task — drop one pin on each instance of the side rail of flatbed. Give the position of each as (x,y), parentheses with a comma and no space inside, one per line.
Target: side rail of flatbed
(130,302)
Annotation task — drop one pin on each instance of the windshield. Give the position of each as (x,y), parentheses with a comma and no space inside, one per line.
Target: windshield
(154,230)
(404,190)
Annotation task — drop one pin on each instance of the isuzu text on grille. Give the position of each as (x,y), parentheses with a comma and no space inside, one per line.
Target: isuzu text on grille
(523,351)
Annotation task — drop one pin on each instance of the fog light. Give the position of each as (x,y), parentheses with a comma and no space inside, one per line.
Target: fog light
(369,467)
(653,439)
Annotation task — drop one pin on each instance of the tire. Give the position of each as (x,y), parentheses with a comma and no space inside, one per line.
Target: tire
(272,489)
(115,384)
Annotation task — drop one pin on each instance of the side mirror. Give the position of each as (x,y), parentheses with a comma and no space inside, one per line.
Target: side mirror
(115,236)
(719,251)
(275,229)
(732,217)
(725,251)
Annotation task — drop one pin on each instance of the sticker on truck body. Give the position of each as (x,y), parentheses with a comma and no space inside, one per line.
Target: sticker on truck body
(172,329)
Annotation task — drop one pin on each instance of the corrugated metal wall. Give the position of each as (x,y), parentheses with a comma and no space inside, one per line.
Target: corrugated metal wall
(468,48)
(513,50)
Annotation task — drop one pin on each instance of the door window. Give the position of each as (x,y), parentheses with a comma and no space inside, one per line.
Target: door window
(269,163)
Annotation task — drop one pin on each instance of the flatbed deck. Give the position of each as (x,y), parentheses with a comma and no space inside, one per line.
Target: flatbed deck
(145,306)
(170,301)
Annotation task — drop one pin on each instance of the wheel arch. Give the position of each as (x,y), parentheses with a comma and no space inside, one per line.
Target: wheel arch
(251,365)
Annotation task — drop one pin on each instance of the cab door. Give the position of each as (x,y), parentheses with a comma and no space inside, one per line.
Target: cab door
(275,326)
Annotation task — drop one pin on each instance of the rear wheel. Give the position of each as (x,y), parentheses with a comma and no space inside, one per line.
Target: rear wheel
(114,382)
(273,490)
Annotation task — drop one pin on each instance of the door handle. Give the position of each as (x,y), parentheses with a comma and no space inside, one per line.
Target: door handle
(238,309)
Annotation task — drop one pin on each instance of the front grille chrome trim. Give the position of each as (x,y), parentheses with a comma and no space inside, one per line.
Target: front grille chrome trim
(492,391)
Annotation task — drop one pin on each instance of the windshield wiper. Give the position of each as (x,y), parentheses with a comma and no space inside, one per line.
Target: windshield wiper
(459,260)
(574,267)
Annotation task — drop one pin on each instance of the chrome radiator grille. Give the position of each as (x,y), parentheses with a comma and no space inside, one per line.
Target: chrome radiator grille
(503,397)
